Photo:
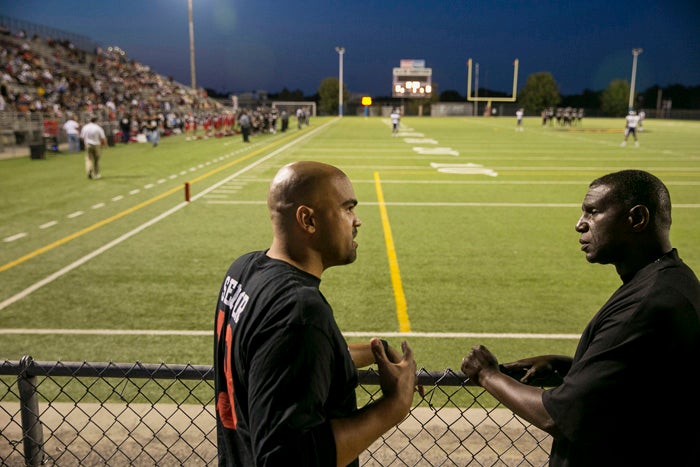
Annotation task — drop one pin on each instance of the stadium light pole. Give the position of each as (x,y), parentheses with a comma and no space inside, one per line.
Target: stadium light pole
(193,73)
(635,54)
(341,51)
(476,90)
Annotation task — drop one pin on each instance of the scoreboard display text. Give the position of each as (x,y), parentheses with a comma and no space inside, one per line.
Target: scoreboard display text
(412,82)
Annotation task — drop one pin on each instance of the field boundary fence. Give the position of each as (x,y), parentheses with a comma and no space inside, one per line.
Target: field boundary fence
(81,413)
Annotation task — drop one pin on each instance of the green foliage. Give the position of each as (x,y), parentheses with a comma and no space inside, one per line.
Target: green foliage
(587,100)
(540,91)
(615,100)
(451,96)
(328,92)
(287,95)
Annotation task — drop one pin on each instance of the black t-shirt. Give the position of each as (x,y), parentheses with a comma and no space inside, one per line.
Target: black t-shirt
(629,398)
(282,363)
(125,124)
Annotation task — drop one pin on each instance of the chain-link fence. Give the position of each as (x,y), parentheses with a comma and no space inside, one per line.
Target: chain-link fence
(82,414)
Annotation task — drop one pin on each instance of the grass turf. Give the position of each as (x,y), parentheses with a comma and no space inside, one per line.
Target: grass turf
(487,246)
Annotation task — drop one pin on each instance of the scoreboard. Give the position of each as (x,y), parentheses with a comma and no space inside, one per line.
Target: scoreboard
(412,79)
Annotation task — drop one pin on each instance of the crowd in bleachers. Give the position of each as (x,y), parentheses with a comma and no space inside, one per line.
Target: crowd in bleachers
(51,81)
(54,78)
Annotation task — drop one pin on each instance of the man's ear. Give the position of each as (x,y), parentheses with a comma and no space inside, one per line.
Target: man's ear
(306,219)
(639,217)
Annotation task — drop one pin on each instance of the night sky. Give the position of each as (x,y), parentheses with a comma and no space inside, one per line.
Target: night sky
(244,45)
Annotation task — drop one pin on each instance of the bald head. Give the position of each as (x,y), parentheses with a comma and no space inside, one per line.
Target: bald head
(304,182)
(312,208)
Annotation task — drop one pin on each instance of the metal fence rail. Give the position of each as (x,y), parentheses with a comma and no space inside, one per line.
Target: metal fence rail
(80,413)
(14,26)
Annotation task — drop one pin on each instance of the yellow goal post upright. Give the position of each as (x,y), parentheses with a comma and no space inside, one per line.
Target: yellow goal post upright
(488,100)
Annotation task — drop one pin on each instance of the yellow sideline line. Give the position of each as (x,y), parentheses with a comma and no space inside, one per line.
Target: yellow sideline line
(109,220)
(82,232)
(399,297)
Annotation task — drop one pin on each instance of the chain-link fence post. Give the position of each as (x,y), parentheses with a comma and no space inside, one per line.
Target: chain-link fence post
(32,433)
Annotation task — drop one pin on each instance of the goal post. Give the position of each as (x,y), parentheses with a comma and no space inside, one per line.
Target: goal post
(292,106)
(488,100)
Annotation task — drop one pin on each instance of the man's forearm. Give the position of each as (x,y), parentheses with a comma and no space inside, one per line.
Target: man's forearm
(525,401)
(355,434)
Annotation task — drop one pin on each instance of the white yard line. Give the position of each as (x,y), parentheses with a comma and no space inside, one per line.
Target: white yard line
(52,277)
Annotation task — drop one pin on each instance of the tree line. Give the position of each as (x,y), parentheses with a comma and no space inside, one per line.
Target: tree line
(540,91)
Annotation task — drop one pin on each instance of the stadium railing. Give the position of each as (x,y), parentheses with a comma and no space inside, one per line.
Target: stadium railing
(22,132)
(81,413)
(13,26)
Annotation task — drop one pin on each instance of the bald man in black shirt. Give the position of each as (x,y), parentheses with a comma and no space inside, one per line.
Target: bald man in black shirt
(285,377)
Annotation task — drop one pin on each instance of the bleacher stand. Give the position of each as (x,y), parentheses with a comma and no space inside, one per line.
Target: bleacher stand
(44,78)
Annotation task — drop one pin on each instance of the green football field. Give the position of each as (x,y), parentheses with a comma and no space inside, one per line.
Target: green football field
(467,235)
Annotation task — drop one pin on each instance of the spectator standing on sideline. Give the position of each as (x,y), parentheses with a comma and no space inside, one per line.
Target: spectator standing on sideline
(395,121)
(631,122)
(285,377)
(300,118)
(519,118)
(284,116)
(72,129)
(125,127)
(51,130)
(153,131)
(94,137)
(612,406)
(244,122)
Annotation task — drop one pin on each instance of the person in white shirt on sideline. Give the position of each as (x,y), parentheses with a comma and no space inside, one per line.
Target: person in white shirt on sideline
(519,118)
(72,129)
(395,121)
(94,137)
